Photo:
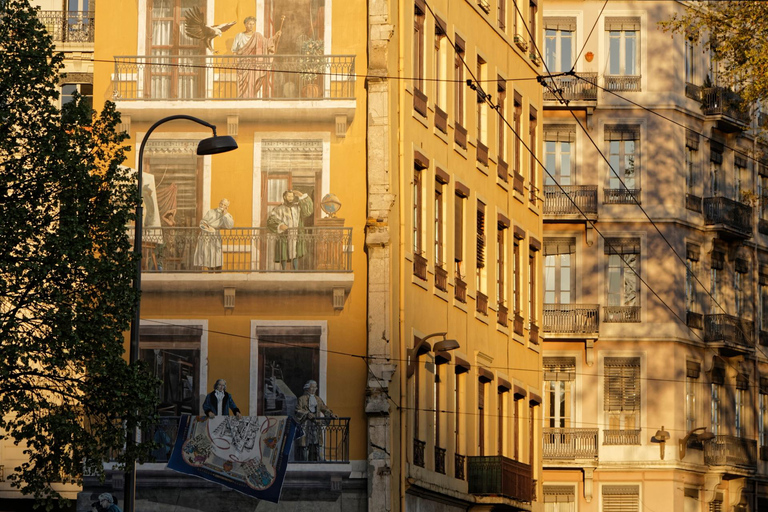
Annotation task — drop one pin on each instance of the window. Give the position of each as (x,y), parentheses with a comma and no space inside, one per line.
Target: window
(717,262)
(623,280)
(559,498)
(418,210)
(762,424)
(763,298)
(68,93)
(559,39)
(502,10)
(517,425)
(458,76)
(441,178)
(621,400)
(518,122)
(717,179)
(717,378)
(532,175)
(691,271)
(621,498)
(740,291)
(559,378)
(462,193)
(500,411)
(501,261)
(559,271)
(558,154)
(436,406)
(623,54)
(481,416)
(517,274)
(532,283)
(740,421)
(692,372)
(533,11)
(623,174)
(418,45)
(690,63)
(743,188)
(174,74)
(501,96)
(480,248)
(458,415)
(482,105)
(762,183)
(440,64)
(691,161)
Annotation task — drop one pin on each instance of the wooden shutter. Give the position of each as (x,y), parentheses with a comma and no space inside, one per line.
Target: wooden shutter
(458,227)
(480,235)
(622,384)
(621,498)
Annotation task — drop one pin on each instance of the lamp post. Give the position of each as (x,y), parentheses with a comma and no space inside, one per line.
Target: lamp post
(210,146)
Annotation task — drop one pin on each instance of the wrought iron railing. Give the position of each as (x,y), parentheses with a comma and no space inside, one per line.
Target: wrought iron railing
(571,88)
(571,318)
(621,437)
(732,330)
(719,101)
(459,462)
(622,82)
(732,214)
(439,460)
(561,202)
(332,433)
(730,451)
(621,314)
(311,249)
(621,195)
(419,447)
(498,475)
(69,26)
(570,443)
(215,77)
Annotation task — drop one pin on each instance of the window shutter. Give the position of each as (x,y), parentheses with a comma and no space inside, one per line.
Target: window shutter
(559,133)
(622,386)
(692,251)
(718,372)
(742,381)
(564,23)
(629,23)
(622,246)
(621,498)
(555,246)
(740,161)
(481,236)
(691,139)
(559,368)
(622,132)
(717,258)
(458,228)
(692,369)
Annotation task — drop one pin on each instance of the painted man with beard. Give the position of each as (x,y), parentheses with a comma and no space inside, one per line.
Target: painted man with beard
(287,220)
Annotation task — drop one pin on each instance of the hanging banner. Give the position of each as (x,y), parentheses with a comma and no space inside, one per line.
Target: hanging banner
(248,454)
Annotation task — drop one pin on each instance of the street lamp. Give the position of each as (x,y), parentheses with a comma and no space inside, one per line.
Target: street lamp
(692,436)
(210,146)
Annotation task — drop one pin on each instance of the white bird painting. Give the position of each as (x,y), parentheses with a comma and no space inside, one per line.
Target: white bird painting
(197,29)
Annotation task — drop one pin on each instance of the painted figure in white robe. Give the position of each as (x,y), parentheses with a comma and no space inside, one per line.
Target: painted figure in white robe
(208,251)
(287,220)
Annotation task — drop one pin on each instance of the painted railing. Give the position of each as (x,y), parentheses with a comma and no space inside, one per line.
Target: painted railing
(571,200)
(571,88)
(571,318)
(318,249)
(215,77)
(623,82)
(730,451)
(570,443)
(621,436)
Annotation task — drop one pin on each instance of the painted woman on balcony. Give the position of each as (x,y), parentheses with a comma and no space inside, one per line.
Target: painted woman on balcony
(287,220)
(252,71)
(208,250)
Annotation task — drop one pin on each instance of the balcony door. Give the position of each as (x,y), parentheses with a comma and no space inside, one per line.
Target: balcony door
(173,71)
(559,378)
(559,271)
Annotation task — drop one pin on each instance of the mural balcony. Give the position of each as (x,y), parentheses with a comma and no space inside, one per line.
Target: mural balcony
(564,445)
(737,453)
(70,28)
(577,91)
(724,106)
(731,335)
(247,258)
(731,219)
(571,202)
(256,87)
(571,321)
(499,476)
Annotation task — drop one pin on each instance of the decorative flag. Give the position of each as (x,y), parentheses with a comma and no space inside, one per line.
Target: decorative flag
(248,454)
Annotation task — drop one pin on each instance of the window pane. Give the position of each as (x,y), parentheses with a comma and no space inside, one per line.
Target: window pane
(630,45)
(614,53)
(566,51)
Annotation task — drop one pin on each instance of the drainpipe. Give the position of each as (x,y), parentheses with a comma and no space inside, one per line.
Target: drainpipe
(401,261)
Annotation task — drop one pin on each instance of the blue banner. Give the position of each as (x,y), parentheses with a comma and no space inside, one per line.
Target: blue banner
(248,454)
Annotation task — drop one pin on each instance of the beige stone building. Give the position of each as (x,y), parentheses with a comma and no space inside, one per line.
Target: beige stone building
(655,271)
(454,254)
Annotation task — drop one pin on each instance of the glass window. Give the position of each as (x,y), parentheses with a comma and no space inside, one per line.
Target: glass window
(622,52)
(622,156)
(622,392)
(622,280)
(558,49)
(715,408)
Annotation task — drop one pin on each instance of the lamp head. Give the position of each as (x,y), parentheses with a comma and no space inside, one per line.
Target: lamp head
(661,435)
(216,144)
(446,345)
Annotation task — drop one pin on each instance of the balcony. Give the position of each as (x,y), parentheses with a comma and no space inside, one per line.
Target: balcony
(571,320)
(439,460)
(333,433)
(577,91)
(459,461)
(169,259)
(733,451)
(419,447)
(500,476)
(572,202)
(75,27)
(297,87)
(627,83)
(621,437)
(570,443)
(724,106)
(730,218)
(621,195)
(730,334)
(621,314)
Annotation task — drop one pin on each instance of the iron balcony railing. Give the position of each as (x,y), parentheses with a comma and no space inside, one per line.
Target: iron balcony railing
(731,214)
(621,314)
(333,434)
(459,461)
(731,331)
(318,249)
(68,26)
(500,476)
(621,195)
(571,318)
(571,88)
(419,447)
(215,77)
(439,460)
(570,443)
(730,451)
(623,83)
(571,200)
(719,101)
(621,436)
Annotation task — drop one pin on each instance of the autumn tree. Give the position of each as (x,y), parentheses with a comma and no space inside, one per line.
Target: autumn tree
(736,34)
(67,394)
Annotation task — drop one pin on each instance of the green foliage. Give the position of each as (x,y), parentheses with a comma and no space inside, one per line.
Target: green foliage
(737,35)
(66,267)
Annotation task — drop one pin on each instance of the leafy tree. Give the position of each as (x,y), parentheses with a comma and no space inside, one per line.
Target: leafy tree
(736,34)
(67,393)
